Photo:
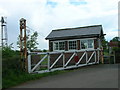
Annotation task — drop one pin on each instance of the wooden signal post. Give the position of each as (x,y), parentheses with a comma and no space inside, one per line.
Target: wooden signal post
(23,45)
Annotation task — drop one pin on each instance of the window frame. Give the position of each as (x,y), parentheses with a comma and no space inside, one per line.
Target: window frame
(58,45)
(72,49)
(76,44)
(87,44)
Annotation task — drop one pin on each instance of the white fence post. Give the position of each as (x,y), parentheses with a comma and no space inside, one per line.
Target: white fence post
(29,62)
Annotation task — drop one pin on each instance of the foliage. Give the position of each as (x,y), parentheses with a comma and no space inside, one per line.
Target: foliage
(11,71)
(44,50)
(116,49)
(7,51)
(14,79)
(10,63)
(115,39)
(105,44)
(31,41)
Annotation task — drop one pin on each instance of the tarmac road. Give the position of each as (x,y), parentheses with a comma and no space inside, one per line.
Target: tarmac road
(95,76)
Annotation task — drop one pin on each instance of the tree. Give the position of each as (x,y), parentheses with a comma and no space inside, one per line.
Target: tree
(31,41)
(105,44)
(115,39)
(117,42)
(7,51)
(44,50)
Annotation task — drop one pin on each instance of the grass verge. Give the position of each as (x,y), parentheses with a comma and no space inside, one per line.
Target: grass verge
(14,79)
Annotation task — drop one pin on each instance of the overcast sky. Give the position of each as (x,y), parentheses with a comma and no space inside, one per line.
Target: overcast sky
(45,15)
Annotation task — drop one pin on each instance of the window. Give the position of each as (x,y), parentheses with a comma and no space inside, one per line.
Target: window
(83,44)
(59,46)
(56,46)
(72,45)
(90,43)
(87,44)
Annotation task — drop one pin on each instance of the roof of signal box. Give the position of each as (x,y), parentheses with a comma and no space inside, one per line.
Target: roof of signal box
(73,32)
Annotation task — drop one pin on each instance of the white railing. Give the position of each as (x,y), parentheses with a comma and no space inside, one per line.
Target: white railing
(50,67)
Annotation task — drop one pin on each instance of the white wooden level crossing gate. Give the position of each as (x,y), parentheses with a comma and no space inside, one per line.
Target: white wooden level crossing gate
(65,64)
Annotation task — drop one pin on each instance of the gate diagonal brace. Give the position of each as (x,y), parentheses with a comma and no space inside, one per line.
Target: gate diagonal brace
(39,63)
(70,59)
(90,57)
(56,60)
(51,68)
(80,59)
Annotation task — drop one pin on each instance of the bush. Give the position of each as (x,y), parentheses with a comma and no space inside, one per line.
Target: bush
(11,72)
(10,65)
(44,50)
(116,49)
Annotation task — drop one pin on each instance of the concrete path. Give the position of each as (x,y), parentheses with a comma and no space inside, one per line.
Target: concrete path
(95,76)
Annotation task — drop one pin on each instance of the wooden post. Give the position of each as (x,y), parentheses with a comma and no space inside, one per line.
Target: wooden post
(102,56)
(23,46)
